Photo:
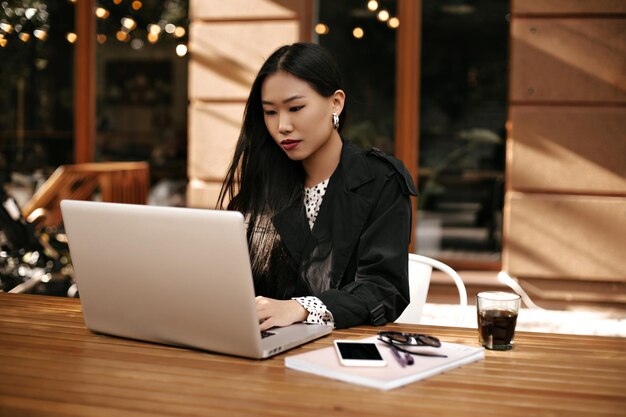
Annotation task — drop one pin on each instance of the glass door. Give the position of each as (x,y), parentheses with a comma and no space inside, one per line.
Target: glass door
(36,81)
(463,106)
(141,89)
(361,36)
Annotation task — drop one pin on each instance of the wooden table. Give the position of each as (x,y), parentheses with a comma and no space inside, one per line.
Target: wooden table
(51,365)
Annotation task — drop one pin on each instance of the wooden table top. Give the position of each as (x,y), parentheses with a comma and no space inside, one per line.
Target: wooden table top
(51,365)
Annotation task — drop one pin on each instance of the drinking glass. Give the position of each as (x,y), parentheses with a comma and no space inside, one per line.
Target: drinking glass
(497,317)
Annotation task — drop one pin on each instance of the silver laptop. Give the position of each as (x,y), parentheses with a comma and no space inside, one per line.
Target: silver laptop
(177,276)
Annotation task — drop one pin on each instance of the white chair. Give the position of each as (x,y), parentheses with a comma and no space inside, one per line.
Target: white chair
(420,270)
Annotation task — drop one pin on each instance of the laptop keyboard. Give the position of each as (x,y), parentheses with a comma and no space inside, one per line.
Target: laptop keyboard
(265,334)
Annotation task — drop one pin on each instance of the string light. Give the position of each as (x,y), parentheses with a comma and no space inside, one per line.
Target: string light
(393,23)
(102,13)
(155,29)
(372,5)
(383,15)
(24,18)
(40,34)
(128,23)
(179,32)
(7,28)
(358,33)
(181,50)
(136,44)
(30,12)
(321,29)
(121,36)
(31,23)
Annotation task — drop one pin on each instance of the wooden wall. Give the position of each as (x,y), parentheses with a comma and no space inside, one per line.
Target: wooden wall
(229,41)
(565,205)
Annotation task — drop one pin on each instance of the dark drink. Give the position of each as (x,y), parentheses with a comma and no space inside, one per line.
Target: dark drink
(496,328)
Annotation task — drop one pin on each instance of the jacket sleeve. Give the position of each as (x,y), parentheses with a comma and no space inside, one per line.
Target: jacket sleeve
(379,292)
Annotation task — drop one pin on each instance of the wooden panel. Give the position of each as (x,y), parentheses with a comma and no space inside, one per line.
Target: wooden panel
(203,194)
(244,9)
(226,56)
(567,6)
(576,291)
(214,129)
(580,237)
(567,149)
(229,41)
(568,60)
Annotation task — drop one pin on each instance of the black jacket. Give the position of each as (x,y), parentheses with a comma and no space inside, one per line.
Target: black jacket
(356,257)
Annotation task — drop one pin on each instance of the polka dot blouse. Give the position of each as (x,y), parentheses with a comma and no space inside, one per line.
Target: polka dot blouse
(313,200)
(318,313)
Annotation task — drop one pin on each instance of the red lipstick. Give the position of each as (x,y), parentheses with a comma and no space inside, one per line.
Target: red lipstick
(289,144)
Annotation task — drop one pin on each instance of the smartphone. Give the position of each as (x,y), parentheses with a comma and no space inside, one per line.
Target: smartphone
(355,353)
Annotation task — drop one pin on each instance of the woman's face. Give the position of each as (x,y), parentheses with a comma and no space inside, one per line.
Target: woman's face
(298,117)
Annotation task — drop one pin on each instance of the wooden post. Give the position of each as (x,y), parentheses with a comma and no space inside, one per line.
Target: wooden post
(408,88)
(84,82)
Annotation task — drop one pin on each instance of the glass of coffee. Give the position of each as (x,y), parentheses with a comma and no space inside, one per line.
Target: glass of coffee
(497,317)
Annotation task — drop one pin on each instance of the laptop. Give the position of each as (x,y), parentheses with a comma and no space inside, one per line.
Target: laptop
(171,275)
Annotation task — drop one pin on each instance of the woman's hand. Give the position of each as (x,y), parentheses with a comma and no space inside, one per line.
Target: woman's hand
(279,313)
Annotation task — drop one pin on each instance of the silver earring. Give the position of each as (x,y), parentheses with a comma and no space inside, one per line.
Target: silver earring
(335,121)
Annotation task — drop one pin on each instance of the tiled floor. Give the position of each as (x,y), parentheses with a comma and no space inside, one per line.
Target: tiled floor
(536,320)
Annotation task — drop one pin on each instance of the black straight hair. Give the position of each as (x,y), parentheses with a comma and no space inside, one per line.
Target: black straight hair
(261,180)
(266,180)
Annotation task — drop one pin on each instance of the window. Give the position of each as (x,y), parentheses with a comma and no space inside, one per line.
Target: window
(462,129)
(141,94)
(36,80)
(363,41)
(463,102)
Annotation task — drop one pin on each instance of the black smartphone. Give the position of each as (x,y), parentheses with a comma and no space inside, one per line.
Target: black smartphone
(355,353)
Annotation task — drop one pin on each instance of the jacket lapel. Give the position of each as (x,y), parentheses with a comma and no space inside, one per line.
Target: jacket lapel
(293,228)
(340,221)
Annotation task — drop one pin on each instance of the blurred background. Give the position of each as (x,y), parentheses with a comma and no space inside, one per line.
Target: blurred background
(510,115)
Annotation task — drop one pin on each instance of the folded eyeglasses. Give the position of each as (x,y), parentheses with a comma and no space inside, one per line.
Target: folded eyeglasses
(404,342)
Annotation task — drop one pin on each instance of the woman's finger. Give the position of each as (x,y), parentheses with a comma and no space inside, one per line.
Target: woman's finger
(267,324)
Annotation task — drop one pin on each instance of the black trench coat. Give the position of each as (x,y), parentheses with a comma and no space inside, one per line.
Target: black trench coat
(356,257)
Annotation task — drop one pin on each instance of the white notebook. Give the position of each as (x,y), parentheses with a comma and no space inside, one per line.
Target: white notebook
(324,362)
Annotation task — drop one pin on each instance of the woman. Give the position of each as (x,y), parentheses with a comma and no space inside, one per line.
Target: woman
(328,224)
